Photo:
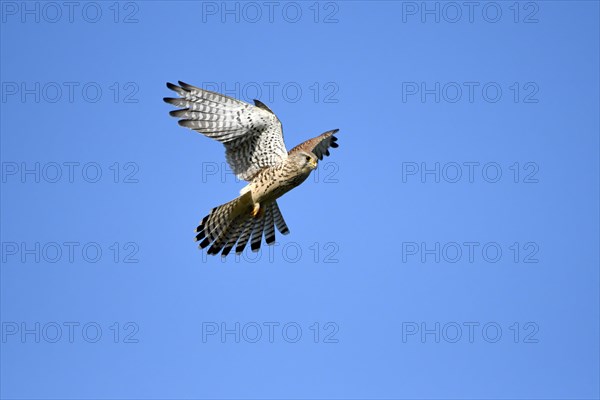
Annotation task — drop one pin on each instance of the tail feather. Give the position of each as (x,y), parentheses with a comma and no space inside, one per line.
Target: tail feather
(257,232)
(279,221)
(222,219)
(233,238)
(245,236)
(232,223)
(269,225)
(223,238)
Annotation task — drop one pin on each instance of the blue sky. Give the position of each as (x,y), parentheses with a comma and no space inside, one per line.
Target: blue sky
(447,249)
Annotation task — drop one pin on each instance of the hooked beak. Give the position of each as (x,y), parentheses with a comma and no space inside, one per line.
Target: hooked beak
(312,163)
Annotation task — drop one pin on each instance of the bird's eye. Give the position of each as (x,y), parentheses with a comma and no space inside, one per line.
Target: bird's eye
(307,158)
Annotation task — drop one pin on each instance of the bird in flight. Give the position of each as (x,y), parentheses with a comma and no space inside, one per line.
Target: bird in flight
(254,148)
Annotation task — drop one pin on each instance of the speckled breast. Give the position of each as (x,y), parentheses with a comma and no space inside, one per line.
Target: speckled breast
(275,182)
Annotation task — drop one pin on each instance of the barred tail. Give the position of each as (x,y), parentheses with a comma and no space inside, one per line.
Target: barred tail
(221,221)
(233,223)
(279,221)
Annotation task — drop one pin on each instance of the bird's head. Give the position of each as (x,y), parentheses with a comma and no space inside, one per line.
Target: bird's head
(306,161)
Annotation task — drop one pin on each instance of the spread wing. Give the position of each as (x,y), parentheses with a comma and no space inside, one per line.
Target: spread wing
(252,135)
(319,145)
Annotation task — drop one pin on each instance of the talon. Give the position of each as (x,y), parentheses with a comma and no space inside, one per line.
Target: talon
(255,211)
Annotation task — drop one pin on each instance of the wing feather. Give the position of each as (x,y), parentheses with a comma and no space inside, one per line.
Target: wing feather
(252,135)
(319,145)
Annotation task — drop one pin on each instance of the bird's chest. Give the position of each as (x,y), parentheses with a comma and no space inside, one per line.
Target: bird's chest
(274,183)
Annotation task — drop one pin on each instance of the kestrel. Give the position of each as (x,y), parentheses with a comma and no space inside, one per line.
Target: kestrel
(254,148)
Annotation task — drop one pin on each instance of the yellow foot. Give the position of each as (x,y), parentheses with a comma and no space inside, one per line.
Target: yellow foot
(256,210)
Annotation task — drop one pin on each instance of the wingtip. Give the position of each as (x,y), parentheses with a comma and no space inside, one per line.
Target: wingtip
(263,106)
(186,86)
(179,113)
